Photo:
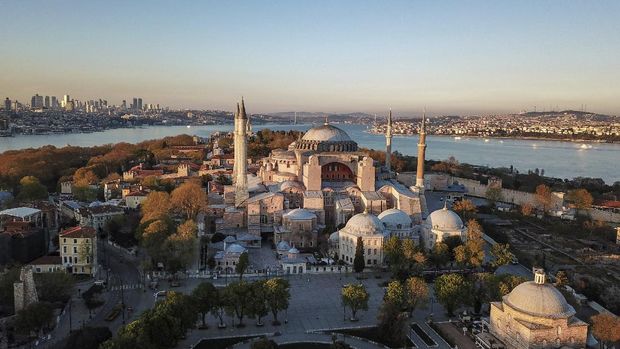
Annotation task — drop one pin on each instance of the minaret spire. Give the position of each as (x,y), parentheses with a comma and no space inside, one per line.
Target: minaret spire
(388,143)
(240,168)
(419,182)
(326,120)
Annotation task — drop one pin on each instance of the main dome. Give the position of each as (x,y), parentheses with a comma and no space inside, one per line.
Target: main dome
(444,220)
(364,224)
(326,138)
(541,300)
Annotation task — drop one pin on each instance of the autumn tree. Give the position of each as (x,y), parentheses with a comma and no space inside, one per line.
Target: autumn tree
(606,327)
(544,198)
(278,295)
(416,293)
(413,256)
(501,255)
(472,252)
(465,208)
(189,199)
(440,255)
(581,198)
(31,189)
(450,290)
(180,247)
(358,261)
(526,209)
(355,297)
(561,278)
(395,294)
(155,206)
(494,194)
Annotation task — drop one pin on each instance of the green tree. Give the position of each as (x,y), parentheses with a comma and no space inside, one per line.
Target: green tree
(34,318)
(84,192)
(205,296)
(358,261)
(180,247)
(242,264)
(31,189)
(440,255)
(258,306)
(278,295)
(355,297)
(450,290)
(416,293)
(220,303)
(7,279)
(413,256)
(54,287)
(395,294)
(501,255)
(239,295)
(395,257)
(392,325)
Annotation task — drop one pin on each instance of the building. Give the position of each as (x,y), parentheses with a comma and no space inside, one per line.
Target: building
(226,260)
(7,104)
(36,101)
(400,225)
(78,250)
(372,232)
(299,228)
(97,216)
(22,242)
(47,264)
(536,315)
(134,199)
(440,225)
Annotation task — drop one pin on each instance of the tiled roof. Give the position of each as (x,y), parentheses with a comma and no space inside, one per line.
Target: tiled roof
(78,232)
(47,260)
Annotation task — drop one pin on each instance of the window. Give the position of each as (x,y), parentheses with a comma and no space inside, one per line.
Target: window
(75,241)
(38,270)
(374,251)
(369,262)
(64,249)
(368,251)
(64,240)
(64,259)
(74,249)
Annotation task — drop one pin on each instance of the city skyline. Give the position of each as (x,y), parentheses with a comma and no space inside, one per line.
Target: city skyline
(453,57)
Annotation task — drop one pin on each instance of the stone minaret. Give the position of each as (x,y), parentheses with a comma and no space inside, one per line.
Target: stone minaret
(388,143)
(419,181)
(240,170)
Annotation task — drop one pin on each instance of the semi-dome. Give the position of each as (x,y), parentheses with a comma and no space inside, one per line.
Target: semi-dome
(395,218)
(290,184)
(444,220)
(326,138)
(364,224)
(300,214)
(539,299)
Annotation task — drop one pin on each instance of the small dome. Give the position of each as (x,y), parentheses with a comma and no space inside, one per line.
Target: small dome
(364,224)
(395,217)
(290,184)
(326,133)
(299,214)
(542,300)
(283,246)
(293,251)
(235,248)
(230,239)
(445,220)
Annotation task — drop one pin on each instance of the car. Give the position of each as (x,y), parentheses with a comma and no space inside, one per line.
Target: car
(160,294)
(100,283)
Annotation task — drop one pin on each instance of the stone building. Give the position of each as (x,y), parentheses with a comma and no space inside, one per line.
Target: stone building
(536,315)
(400,224)
(299,228)
(440,225)
(78,250)
(373,233)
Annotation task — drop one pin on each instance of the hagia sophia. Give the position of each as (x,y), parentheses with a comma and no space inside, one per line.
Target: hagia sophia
(323,179)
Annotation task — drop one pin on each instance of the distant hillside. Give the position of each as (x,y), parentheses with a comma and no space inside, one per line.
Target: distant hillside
(314,117)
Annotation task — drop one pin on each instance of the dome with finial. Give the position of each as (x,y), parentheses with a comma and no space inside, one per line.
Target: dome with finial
(444,220)
(326,138)
(364,224)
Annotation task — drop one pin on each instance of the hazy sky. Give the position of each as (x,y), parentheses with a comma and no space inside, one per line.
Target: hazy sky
(338,56)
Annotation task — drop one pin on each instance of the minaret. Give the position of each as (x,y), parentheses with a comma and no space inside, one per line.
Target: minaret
(388,143)
(240,170)
(419,181)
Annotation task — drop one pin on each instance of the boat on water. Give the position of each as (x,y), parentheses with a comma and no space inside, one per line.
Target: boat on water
(585,146)
(486,140)
(457,138)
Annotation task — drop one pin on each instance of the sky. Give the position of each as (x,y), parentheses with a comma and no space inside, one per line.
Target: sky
(454,57)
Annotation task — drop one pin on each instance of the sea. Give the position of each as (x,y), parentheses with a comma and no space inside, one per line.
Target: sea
(560,159)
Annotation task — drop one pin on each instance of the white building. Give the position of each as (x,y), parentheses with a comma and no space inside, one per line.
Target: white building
(371,230)
(440,225)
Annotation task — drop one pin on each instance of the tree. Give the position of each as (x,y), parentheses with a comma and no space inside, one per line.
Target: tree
(581,198)
(358,262)
(54,287)
(392,325)
(31,189)
(258,306)
(472,252)
(88,337)
(526,209)
(395,257)
(440,254)
(189,199)
(416,293)
(501,255)
(450,290)
(606,327)
(356,298)
(243,264)
(395,294)
(544,198)
(155,206)
(238,294)
(84,192)
(413,256)
(561,278)
(205,295)
(34,318)
(465,208)
(180,247)
(7,279)
(278,295)
(494,194)
(153,235)
(220,303)
(264,343)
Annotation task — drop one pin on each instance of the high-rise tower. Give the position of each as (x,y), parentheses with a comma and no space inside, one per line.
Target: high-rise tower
(419,181)
(240,170)
(388,143)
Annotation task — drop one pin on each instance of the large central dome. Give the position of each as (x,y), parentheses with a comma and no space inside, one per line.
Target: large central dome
(326,138)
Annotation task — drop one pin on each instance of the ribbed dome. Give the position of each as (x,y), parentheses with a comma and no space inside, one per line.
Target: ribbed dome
(542,300)
(444,220)
(393,217)
(326,133)
(235,248)
(299,214)
(364,224)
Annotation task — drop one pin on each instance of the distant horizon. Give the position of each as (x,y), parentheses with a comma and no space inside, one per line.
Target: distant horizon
(455,58)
